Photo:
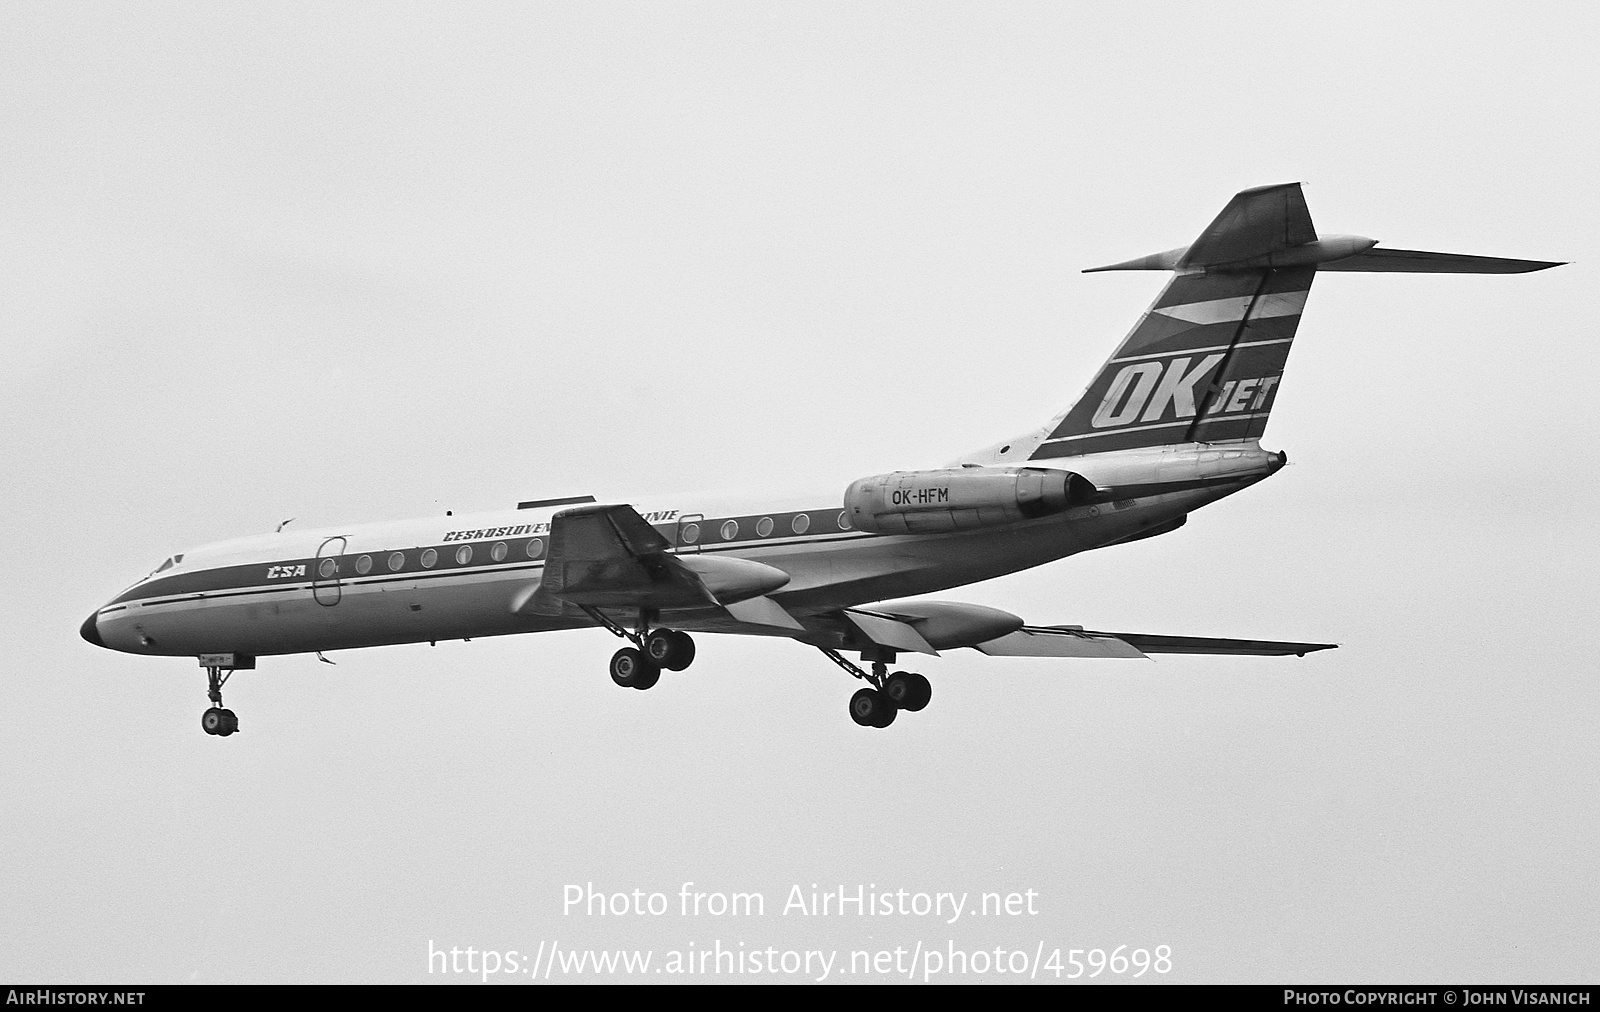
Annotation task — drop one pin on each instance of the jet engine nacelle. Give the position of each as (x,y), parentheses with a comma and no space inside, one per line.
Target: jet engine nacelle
(960,498)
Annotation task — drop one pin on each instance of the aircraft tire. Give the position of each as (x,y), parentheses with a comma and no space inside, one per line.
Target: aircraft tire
(230,723)
(627,666)
(887,712)
(648,677)
(871,708)
(670,649)
(908,690)
(683,653)
(658,647)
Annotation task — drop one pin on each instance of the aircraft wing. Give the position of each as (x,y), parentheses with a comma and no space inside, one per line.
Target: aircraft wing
(926,626)
(608,556)
(1075,641)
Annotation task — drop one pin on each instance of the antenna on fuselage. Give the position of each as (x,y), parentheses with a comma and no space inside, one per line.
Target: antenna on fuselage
(325,660)
(284,524)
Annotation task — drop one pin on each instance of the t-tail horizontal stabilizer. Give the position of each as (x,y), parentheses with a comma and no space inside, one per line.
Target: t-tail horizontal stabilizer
(1339,253)
(1270,227)
(1411,261)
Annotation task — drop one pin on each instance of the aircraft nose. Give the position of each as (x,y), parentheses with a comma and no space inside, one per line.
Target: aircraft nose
(90,631)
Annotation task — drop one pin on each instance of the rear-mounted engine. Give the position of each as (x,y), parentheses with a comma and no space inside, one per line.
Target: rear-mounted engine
(961,498)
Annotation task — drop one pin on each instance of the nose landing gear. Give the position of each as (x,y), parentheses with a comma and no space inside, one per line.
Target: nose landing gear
(219,668)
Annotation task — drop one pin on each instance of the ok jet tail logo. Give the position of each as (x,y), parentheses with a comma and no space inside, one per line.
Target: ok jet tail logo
(1143,391)
(1149,387)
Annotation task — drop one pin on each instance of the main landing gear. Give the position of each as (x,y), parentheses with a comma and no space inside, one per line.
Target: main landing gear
(640,666)
(886,694)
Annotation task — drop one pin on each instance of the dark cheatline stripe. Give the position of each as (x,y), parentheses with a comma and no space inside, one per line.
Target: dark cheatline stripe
(253,577)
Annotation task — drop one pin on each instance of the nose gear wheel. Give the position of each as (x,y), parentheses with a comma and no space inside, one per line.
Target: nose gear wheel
(217,720)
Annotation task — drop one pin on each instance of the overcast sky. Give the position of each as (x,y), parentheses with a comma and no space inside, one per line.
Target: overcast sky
(346,263)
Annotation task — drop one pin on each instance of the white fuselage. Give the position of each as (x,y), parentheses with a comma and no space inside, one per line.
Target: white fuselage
(459,577)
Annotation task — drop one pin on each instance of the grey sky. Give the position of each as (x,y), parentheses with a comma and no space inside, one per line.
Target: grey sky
(348,263)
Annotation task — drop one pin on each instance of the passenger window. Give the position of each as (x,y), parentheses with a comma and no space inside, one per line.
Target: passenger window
(364,565)
(844,521)
(327,568)
(535,548)
(397,560)
(764,526)
(498,552)
(429,557)
(800,524)
(463,555)
(730,530)
(691,533)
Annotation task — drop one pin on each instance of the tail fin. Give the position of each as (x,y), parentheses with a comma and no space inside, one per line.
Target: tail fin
(1204,362)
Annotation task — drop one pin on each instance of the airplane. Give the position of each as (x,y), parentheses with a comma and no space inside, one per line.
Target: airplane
(1172,422)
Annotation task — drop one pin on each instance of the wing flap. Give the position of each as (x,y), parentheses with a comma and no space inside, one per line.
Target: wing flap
(888,632)
(1037,641)
(763,611)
